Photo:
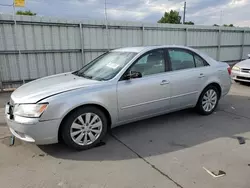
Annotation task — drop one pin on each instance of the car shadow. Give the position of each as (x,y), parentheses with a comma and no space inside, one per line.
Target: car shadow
(164,134)
(244,83)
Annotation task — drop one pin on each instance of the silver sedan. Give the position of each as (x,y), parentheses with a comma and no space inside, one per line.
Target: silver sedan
(118,87)
(241,71)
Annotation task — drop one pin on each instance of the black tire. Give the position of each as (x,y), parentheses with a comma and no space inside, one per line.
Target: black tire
(66,126)
(199,107)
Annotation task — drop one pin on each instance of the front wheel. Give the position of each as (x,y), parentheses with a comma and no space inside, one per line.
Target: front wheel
(84,128)
(208,100)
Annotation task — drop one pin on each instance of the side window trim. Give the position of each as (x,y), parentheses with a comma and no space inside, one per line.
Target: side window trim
(195,65)
(164,51)
(204,61)
(195,54)
(167,60)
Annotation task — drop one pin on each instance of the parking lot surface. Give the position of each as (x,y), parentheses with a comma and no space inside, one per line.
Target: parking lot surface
(167,151)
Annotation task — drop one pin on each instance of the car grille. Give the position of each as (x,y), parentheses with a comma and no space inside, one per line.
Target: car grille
(245,70)
(10,111)
(11,108)
(243,78)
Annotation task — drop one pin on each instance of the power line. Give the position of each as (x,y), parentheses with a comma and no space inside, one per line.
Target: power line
(130,10)
(6,5)
(127,4)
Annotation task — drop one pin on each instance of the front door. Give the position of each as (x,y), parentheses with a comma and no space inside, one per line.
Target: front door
(147,95)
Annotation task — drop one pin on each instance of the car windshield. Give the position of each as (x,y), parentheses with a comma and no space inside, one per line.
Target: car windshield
(106,66)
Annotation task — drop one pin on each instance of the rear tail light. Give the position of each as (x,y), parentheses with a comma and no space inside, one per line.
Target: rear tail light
(229,70)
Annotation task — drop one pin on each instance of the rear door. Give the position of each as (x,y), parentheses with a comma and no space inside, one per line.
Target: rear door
(188,74)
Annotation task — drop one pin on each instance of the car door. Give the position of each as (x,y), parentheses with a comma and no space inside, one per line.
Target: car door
(187,77)
(149,94)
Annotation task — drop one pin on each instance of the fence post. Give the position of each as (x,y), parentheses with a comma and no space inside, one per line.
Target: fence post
(242,44)
(82,45)
(143,34)
(186,38)
(1,84)
(219,44)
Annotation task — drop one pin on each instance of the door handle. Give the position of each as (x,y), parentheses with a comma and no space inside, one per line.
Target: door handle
(164,82)
(201,75)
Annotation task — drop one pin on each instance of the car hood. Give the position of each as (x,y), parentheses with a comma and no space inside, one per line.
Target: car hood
(42,88)
(244,64)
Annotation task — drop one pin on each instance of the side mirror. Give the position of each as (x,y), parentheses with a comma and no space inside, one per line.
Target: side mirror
(132,74)
(248,56)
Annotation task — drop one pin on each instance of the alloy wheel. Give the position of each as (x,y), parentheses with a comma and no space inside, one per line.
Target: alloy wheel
(209,100)
(86,129)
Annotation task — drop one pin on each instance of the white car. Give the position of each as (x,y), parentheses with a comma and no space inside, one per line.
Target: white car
(241,71)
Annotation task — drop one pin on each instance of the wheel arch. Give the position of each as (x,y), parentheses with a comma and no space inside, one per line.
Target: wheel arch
(102,108)
(198,107)
(218,87)
(215,84)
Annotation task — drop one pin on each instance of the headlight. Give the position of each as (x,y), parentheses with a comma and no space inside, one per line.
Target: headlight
(236,68)
(30,110)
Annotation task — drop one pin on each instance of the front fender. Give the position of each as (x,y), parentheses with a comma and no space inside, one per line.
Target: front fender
(61,104)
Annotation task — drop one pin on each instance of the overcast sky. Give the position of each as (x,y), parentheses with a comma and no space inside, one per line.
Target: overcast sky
(202,12)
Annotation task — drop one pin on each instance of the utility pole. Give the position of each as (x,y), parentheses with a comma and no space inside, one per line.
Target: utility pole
(184,13)
(105,11)
(106,22)
(221,17)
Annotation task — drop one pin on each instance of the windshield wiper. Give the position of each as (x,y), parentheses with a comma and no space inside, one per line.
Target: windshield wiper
(76,72)
(83,75)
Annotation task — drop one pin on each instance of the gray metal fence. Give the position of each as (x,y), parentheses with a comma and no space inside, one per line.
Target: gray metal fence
(40,46)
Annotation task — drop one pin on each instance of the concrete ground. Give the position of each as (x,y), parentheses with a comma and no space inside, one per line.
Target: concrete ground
(167,151)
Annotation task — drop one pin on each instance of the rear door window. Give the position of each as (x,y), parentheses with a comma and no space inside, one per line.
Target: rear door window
(181,59)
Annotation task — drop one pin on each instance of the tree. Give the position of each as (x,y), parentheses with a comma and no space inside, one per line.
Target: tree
(172,17)
(225,25)
(189,23)
(230,25)
(27,13)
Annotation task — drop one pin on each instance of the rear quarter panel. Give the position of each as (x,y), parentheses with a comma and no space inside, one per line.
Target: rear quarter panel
(224,77)
(218,73)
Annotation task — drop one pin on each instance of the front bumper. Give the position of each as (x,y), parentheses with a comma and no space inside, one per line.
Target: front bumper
(39,132)
(240,76)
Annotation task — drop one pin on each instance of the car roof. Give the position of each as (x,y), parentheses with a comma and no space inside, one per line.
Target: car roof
(139,49)
(142,49)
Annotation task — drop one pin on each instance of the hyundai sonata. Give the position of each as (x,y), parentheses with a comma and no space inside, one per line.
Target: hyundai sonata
(121,86)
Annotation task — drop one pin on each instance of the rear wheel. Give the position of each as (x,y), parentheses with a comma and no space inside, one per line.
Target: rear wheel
(84,128)
(208,100)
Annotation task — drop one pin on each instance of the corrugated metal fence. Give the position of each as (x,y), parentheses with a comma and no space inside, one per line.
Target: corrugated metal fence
(38,46)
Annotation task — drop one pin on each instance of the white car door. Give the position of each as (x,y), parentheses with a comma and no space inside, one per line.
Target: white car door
(188,76)
(149,94)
